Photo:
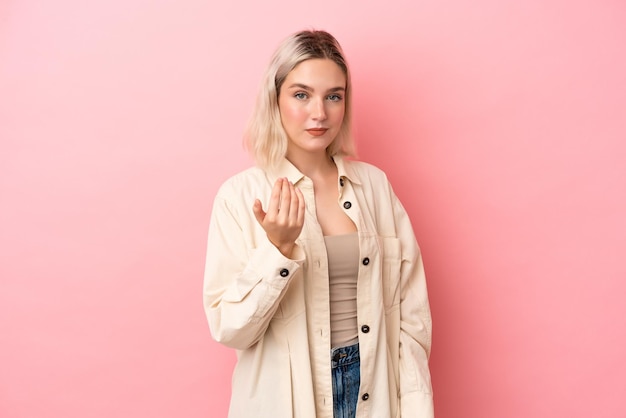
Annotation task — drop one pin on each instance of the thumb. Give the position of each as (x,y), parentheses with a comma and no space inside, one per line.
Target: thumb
(259,214)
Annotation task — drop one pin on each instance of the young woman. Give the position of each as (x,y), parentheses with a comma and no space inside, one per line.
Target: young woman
(313,273)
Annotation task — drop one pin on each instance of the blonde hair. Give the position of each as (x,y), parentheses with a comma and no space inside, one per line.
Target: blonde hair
(265,137)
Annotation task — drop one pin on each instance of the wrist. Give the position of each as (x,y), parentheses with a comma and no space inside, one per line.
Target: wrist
(286,249)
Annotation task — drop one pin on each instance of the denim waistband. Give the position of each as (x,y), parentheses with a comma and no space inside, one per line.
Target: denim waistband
(342,356)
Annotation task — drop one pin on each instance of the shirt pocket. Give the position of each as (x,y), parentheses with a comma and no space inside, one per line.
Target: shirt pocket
(392,260)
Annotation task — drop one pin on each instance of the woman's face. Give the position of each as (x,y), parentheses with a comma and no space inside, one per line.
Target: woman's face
(311,104)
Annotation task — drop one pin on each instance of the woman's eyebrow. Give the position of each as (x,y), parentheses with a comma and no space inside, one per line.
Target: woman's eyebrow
(307,88)
(300,86)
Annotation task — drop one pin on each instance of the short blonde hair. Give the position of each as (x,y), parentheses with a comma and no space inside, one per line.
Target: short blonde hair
(265,137)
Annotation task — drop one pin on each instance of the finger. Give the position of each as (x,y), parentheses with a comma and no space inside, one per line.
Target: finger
(293,204)
(259,214)
(301,207)
(275,198)
(285,198)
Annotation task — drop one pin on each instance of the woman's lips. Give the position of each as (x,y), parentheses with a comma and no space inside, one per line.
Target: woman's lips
(317,131)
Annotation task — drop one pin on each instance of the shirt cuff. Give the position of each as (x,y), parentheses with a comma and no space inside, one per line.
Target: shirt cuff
(273,266)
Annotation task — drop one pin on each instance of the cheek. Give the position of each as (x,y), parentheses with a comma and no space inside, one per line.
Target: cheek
(339,113)
(292,114)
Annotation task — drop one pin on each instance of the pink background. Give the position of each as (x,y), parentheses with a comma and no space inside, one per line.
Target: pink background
(502,126)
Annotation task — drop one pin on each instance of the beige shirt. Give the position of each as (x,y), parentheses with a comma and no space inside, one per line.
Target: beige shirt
(275,311)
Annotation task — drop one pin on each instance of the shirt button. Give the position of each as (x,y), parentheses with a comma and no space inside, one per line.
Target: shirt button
(366,261)
(341,182)
(365,396)
(347,205)
(284,273)
(365,329)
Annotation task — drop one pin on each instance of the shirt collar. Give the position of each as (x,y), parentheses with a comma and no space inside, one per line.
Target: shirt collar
(345,169)
(289,171)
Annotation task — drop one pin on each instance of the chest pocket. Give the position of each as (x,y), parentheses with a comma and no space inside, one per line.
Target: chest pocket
(392,260)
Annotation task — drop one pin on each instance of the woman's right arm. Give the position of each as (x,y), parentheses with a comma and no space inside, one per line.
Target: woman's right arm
(244,280)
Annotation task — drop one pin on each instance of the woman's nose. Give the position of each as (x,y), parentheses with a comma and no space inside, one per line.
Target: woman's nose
(319,110)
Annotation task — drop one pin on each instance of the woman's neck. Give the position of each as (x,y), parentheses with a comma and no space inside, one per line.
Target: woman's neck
(312,166)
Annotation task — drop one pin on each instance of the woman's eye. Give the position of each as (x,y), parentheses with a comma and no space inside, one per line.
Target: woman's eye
(334,97)
(300,96)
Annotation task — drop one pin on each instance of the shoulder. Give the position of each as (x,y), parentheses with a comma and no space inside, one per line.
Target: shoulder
(238,192)
(249,180)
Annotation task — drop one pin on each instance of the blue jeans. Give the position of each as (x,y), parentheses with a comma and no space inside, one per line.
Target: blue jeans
(346,372)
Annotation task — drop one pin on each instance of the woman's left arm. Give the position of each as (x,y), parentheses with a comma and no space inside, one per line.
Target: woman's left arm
(415,323)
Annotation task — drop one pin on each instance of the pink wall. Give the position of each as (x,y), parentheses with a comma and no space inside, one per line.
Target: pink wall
(501,124)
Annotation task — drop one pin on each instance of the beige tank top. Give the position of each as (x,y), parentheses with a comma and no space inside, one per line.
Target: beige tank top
(343,271)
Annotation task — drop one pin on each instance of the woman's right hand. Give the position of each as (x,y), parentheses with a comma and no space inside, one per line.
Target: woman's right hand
(284,218)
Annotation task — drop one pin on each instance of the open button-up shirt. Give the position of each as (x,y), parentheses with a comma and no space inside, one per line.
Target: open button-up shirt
(274,310)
